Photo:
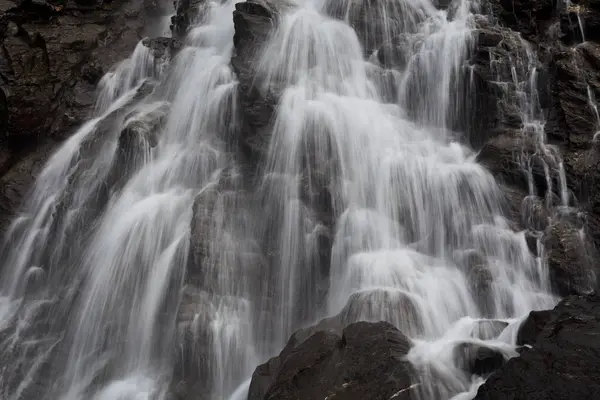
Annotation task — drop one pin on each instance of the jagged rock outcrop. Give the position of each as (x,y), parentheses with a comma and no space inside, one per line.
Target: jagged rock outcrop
(570,261)
(365,361)
(563,93)
(53,60)
(564,362)
(53,56)
(253,21)
(532,326)
(531,18)
(186,12)
(490,91)
(163,48)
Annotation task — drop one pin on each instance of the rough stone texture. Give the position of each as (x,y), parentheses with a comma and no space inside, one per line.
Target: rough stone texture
(490,89)
(186,12)
(20,168)
(564,362)
(253,21)
(504,156)
(531,18)
(53,61)
(366,361)
(52,57)
(571,264)
(571,119)
(163,48)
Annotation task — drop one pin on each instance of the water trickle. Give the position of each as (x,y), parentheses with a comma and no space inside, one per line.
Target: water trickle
(594,107)
(151,256)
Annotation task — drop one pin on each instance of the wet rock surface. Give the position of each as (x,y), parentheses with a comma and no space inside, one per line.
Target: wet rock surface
(477,359)
(53,56)
(564,361)
(538,48)
(569,259)
(365,361)
(253,21)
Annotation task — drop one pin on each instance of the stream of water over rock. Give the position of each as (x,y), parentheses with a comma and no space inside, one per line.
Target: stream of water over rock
(96,291)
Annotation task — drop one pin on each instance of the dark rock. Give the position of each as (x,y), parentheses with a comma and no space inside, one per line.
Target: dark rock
(253,21)
(572,77)
(564,362)
(571,267)
(532,326)
(367,361)
(137,138)
(92,72)
(187,11)
(509,156)
(163,48)
(579,22)
(3,113)
(19,170)
(513,205)
(583,178)
(490,92)
(47,62)
(54,55)
(477,359)
(531,18)
(157,8)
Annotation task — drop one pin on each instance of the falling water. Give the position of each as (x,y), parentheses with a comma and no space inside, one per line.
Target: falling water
(363,207)
(593,106)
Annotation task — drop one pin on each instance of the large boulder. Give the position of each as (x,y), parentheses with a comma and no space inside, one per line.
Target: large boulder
(564,362)
(366,361)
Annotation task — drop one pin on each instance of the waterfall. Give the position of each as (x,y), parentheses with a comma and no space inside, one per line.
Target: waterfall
(147,251)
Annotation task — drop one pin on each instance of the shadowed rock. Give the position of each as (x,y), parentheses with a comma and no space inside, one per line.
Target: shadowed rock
(533,326)
(477,359)
(366,361)
(564,363)
(569,260)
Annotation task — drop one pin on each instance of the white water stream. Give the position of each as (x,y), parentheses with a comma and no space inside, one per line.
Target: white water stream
(418,236)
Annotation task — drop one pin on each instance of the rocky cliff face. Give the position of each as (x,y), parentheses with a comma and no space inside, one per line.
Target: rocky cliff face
(52,56)
(550,50)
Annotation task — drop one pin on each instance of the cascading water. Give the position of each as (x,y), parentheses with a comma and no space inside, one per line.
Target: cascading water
(95,286)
